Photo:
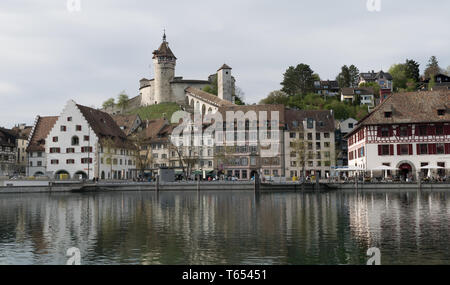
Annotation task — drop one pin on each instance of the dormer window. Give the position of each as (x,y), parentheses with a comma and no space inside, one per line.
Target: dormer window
(441,112)
(388,114)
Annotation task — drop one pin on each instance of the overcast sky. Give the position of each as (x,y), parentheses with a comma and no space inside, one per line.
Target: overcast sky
(49,55)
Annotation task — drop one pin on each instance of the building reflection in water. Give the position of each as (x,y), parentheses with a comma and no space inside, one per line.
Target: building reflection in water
(225,228)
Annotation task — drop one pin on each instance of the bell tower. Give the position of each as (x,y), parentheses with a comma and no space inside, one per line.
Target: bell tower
(164,62)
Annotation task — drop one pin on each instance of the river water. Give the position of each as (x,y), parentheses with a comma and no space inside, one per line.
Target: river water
(226,228)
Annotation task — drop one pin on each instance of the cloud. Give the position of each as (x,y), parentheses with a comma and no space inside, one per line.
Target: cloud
(49,55)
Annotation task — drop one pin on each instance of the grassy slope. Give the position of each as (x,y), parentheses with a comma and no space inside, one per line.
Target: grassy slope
(156,111)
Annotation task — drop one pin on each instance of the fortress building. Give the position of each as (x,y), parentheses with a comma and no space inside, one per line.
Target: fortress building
(166,87)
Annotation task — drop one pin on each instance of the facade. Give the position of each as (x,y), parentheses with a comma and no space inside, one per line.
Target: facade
(81,143)
(22,132)
(383,79)
(37,158)
(315,131)
(166,87)
(129,124)
(409,132)
(8,152)
(365,95)
(342,129)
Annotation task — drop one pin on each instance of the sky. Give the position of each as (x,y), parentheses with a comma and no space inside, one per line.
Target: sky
(50,54)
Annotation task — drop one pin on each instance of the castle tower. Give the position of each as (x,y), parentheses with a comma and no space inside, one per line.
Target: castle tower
(164,62)
(225,83)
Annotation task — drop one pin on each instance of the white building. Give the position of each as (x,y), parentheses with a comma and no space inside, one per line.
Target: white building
(86,143)
(409,132)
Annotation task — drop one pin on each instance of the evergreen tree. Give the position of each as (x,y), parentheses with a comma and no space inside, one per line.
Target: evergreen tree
(298,80)
(432,67)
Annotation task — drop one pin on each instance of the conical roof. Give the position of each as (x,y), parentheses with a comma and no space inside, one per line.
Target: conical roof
(164,51)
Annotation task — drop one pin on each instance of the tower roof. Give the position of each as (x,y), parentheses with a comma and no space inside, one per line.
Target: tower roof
(224,66)
(164,49)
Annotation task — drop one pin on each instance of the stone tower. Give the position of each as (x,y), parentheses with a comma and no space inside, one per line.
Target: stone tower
(225,83)
(164,62)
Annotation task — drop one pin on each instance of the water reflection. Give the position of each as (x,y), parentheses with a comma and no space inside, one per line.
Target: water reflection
(225,228)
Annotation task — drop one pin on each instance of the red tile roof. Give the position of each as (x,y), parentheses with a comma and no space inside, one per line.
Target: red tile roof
(40,132)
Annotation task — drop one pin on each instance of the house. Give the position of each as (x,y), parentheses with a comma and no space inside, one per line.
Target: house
(408,132)
(342,129)
(326,87)
(37,160)
(22,132)
(7,152)
(81,142)
(128,123)
(363,94)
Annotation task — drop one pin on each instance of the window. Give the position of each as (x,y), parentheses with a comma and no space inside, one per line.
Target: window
(440,148)
(384,132)
(55,150)
(441,112)
(39,163)
(69,119)
(318,145)
(318,136)
(70,150)
(310,136)
(422,131)
(327,145)
(292,135)
(78,128)
(86,138)
(326,135)
(350,125)
(75,140)
(63,128)
(86,160)
(244,174)
(403,149)
(39,154)
(384,150)
(388,114)
(439,130)
(310,123)
(86,149)
(55,139)
(70,161)
(422,149)
(54,161)
(403,131)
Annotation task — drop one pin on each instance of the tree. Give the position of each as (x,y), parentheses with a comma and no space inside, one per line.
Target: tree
(108,147)
(122,101)
(108,103)
(412,70)
(143,155)
(399,78)
(448,71)
(354,75)
(239,96)
(432,67)
(348,77)
(298,80)
(276,97)
(299,149)
(213,87)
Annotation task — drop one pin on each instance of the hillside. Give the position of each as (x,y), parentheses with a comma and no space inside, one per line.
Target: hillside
(156,111)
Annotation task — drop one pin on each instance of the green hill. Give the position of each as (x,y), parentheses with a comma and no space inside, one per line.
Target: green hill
(156,111)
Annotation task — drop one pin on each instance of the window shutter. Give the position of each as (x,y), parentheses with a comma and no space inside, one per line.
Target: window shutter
(391,132)
(431,149)
(447,148)
(379,131)
(398,149)
(447,130)
(410,149)
(418,149)
(391,149)
(431,130)
(409,131)
(380,149)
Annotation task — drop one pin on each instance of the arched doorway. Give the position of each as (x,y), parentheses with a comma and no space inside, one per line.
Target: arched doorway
(38,174)
(406,170)
(254,173)
(62,175)
(80,175)
(103,175)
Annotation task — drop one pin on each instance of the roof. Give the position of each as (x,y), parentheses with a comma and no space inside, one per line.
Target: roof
(411,107)
(164,51)
(153,128)
(7,137)
(373,76)
(207,97)
(125,122)
(22,132)
(353,91)
(40,131)
(104,126)
(224,66)
(323,118)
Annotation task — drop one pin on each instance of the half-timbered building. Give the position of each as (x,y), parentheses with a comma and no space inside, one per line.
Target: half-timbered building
(408,132)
